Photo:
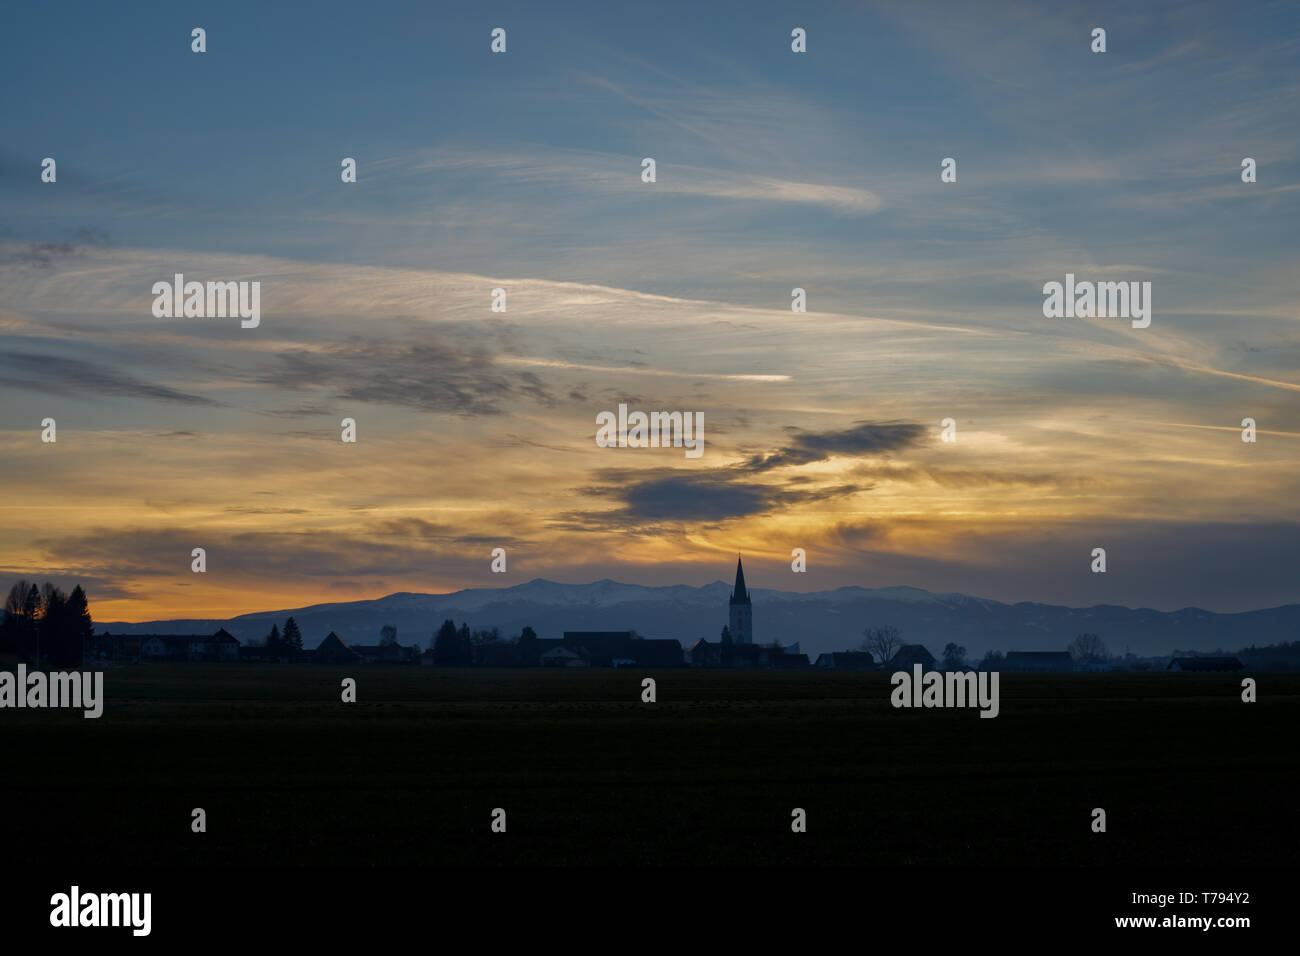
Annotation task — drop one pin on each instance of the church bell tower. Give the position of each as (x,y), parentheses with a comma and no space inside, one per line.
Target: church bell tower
(742,612)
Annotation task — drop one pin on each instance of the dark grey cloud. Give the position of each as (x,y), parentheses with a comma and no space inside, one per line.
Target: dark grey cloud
(732,492)
(432,376)
(40,255)
(37,254)
(864,438)
(58,375)
(686,497)
(689,497)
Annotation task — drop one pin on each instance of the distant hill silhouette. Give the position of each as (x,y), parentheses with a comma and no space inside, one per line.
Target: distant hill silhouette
(820,621)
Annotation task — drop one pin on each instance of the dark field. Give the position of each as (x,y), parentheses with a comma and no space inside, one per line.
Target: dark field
(289,775)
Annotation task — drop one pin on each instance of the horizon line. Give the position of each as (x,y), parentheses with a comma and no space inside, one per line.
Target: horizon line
(846,587)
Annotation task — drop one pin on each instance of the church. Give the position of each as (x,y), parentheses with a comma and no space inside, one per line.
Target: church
(736,647)
(741,618)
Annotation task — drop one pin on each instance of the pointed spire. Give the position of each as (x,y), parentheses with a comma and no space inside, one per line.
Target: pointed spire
(739,595)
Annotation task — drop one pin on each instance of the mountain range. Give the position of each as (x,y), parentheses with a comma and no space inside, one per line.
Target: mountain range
(818,621)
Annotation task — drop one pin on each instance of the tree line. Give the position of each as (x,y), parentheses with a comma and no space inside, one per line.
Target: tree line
(288,644)
(454,647)
(44,626)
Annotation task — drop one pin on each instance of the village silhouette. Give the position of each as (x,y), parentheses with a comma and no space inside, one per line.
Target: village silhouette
(45,627)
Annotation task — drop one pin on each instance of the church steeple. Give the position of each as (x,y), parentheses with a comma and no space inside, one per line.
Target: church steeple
(740,613)
(738,594)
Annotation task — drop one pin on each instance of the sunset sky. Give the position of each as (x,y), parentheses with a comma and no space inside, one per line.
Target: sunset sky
(774,170)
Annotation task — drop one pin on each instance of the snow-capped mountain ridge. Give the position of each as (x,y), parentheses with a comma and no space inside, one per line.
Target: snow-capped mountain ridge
(818,620)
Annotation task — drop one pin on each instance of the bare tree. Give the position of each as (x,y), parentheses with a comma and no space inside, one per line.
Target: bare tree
(17,599)
(18,629)
(50,596)
(883,642)
(32,604)
(490,636)
(954,657)
(1088,647)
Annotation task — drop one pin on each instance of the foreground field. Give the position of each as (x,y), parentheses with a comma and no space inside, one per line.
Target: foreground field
(588,774)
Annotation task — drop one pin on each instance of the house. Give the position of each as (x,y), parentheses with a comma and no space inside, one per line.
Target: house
(385,653)
(720,654)
(162,646)
(335,650)
(115,647)
(623,649)
(254,653)
(221,646)
(1038,661)
(1204,664)
(532,655)
(746,656)
(599,648)
(654,652)
(585,636)
(563,657)
(704,654)
(847,661)
(909,655)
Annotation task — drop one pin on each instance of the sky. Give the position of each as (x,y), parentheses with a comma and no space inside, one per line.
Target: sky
(774,170)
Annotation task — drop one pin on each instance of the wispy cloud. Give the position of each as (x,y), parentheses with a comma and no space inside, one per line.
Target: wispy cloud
(583,171)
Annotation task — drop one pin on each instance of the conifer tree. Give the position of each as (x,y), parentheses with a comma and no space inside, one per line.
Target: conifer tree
(51,627)
(292,637)
(81,628)
(444,645)
(464,646)
(527,646)
(274,642)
